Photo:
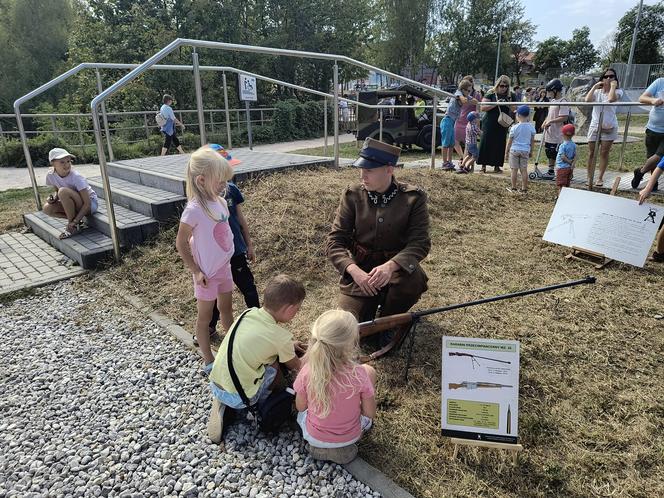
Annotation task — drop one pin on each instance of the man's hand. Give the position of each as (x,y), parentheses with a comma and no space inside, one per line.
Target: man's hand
(362,279)
(200,278)
(381,275)
(644,194)
(657,102)
(546,123)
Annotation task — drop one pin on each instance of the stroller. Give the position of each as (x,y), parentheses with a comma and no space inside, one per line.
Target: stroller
(537,174)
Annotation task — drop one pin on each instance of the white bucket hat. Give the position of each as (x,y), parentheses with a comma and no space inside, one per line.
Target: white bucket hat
(58,153)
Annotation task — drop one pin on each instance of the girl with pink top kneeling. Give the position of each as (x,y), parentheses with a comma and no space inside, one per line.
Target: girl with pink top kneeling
(335,395)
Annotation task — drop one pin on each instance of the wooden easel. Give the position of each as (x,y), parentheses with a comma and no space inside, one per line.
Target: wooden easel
(595,258)
(513,448)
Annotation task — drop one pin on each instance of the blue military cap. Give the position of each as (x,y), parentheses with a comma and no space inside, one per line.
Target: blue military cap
(375,154)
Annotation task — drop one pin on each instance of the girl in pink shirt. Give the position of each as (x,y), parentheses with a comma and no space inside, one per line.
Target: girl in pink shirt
(205,242)
(335,394)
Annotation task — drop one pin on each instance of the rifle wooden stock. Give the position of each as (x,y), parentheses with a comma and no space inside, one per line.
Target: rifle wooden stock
(385,323)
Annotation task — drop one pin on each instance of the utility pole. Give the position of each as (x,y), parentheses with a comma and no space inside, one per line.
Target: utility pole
(630,71)
(500,40)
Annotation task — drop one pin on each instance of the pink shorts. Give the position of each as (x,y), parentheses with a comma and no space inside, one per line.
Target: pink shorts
(220,283)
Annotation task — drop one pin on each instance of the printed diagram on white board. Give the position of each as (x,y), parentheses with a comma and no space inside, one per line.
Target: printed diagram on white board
(568,221)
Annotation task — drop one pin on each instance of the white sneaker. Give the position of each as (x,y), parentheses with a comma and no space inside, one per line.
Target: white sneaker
(215,426)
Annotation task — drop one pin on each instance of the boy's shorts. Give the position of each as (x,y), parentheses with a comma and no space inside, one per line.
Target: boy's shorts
(233,400)
(518,159)
(473,150)
(220,283)
(563,177)
(94,205)
(447,132)
(365,423)
(551,150)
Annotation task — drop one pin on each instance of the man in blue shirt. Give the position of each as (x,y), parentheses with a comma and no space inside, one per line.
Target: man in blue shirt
(654,95)
(168,129)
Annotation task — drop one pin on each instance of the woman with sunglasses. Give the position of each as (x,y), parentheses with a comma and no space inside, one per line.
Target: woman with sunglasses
(605,90)
(494,135)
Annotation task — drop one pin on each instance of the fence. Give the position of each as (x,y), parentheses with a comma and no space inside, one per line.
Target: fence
(132,127)
(642,74)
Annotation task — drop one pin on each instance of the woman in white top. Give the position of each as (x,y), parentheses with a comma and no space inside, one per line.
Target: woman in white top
(605,90)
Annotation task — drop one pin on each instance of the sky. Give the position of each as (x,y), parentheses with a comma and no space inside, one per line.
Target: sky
(561,17)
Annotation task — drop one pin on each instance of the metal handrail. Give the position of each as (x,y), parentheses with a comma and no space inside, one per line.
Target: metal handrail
(100,99)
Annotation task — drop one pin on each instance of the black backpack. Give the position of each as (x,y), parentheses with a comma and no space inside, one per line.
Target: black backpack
(276,410)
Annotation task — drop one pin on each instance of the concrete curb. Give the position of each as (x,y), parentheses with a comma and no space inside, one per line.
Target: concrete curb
(358,468)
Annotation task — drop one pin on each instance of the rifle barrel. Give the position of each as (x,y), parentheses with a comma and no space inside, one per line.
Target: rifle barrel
(587,280)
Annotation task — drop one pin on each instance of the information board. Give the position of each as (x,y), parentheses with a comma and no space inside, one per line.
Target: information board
(480,389)
(616,227)
(248,88)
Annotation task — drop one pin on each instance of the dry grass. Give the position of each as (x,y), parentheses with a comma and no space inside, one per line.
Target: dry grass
(592,408)
(15,202)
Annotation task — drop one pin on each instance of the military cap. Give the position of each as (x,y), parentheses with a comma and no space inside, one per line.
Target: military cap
(375,154)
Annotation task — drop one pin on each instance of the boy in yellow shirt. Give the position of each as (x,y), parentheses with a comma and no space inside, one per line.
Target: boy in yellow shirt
(260,345)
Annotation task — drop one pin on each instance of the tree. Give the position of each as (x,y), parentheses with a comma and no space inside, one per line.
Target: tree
(580,54)
(650,37)
(519,35)
(550,54)
(34,37)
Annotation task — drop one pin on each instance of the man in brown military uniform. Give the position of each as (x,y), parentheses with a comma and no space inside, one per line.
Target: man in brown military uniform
(379,236)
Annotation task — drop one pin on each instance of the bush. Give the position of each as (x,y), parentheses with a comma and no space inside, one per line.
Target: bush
(11,152)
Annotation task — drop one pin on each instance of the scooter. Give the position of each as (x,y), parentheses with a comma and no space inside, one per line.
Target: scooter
(537,174)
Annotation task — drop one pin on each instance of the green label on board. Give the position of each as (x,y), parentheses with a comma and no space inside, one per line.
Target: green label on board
(472,413)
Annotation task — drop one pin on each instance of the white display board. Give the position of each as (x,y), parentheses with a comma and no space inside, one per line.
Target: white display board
(480,389)
(248,88)
(618,228)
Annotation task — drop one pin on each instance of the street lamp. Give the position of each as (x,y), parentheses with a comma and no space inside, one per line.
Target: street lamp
(500,39)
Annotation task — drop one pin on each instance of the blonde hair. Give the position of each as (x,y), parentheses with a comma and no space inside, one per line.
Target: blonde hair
(503,78)
(210,165)
(331,357)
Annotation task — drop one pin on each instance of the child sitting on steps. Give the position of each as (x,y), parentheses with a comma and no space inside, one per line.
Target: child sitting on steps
(74,198)
(335,395)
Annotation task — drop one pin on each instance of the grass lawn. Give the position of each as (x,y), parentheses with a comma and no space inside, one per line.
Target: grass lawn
(591,404)
(14,203)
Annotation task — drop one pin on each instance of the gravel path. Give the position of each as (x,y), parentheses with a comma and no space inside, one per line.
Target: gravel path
(98,400)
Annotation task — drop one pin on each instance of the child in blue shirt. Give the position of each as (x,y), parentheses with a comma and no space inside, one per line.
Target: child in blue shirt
(447,124)
(520,148)
(566,158)
(168,128)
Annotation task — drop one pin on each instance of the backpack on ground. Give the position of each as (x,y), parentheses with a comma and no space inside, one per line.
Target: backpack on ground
(160,119)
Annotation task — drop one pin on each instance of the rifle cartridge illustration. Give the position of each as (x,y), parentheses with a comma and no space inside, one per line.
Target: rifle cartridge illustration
(475,362)
(403,325)
(476,385)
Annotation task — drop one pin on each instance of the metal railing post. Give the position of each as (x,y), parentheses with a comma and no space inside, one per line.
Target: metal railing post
(591,169)
(110,210)
(54,126)
(104,117)
(80,132)
(147,127)
(262,117)
(248,113)
(199,98)
(228,114)
(380,124)
(28,158)
(624,142)
(433,132)
(335,82)
(211,122)
(325,127)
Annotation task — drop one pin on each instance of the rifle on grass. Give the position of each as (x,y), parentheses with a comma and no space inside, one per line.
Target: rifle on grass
(404,324)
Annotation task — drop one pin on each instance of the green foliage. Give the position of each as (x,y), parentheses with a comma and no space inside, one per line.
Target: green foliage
(649,40)
(576,55)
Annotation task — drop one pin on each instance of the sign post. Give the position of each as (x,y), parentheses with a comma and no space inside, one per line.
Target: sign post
(248,93)
(480,393)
